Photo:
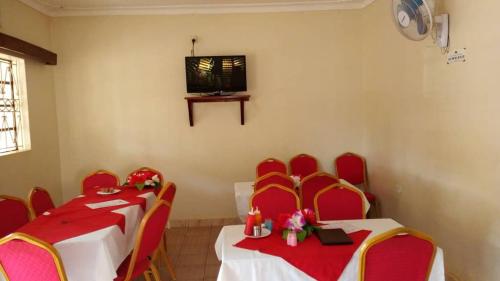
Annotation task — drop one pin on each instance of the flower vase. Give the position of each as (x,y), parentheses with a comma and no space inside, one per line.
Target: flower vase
(291,239)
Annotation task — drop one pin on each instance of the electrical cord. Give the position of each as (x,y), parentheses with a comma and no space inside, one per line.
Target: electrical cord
(192,48)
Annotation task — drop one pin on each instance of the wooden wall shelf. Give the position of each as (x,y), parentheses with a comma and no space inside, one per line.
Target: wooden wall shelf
(232,98)
(13,44)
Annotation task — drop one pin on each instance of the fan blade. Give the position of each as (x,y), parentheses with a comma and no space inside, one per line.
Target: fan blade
(413,4)
(411,7)
(407,7)
(421,26)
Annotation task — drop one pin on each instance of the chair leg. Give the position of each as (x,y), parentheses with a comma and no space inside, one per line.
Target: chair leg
(378,209)
(156,274)
(166,260)
(147,277)
(156,256)
(374,211)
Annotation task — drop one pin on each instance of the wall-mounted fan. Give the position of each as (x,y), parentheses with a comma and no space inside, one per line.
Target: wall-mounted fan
(415,19)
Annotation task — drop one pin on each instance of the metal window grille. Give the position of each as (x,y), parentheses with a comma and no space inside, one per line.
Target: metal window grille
(11,131)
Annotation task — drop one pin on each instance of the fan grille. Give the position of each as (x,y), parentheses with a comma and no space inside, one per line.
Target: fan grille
(413,18)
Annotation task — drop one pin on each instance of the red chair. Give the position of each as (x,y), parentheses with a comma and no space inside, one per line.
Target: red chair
(148,171)
(147,242)
(270,165)
(25,258)
(400,254)
(167,194)
(39,201)
(311,184)
(303,165)
(274,200)
(274,178)
(13,214)
(339,202)
(352,168)
(99,178)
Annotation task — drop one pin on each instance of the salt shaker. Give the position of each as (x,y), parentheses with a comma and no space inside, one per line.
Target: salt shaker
(257,231)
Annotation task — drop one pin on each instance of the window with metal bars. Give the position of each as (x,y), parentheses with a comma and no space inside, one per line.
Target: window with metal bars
(14,136)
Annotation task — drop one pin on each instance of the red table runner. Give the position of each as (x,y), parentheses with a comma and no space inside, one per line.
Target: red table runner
(318,261)
(75,218)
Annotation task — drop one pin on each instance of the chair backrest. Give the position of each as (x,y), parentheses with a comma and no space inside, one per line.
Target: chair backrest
(271,165)
(99,178)
(167,193)
(23,258)
(39,201)
(149,234)
(339,202)
(311,184)
(273,200)
(13,214)
(352,168)
(303,165)
(274,178)
(147,171)
(399,254)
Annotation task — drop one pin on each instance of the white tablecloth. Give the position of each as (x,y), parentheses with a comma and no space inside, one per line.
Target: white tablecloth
(245,265)
(96,256)
(243,191)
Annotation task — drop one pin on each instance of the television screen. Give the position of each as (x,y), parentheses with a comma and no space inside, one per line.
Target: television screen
(216,74)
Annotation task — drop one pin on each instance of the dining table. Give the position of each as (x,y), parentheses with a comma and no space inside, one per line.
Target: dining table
(240,263)
(94,232)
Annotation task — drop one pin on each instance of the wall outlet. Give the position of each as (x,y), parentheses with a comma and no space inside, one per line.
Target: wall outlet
(399,189)
(457,56)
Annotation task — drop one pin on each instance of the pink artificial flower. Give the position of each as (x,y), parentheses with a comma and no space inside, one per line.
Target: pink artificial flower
(296,222)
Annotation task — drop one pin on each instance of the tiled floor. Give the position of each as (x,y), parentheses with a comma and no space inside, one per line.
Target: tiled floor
(192,253)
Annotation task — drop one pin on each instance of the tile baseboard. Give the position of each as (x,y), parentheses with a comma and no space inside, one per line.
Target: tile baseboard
(203,222)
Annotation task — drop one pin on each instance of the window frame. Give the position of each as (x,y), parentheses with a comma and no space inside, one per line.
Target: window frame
(15,106)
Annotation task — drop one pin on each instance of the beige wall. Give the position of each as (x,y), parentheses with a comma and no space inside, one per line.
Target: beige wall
(427,129)
(40,166)
(121,88)
(433,132)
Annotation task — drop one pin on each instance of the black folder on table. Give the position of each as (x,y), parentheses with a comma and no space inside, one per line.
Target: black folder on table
(336,236)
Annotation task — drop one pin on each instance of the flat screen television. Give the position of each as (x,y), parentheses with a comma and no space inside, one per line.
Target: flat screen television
(216,74)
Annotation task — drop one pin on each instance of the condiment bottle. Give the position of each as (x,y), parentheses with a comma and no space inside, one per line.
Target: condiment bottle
(250,223)
(258,217)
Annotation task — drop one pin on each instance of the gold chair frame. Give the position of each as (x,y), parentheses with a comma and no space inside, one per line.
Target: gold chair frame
(98,172)
(39,243)
(30,199)
(303,155)
(387,235)
(140,232)
(269,186)
(8,197)
(268,175)
(366,185)
(162,253)
(338,186)
(311,176)
(270,159)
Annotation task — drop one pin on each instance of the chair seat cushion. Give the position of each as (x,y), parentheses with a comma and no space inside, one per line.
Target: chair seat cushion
(370,197)
(140,267)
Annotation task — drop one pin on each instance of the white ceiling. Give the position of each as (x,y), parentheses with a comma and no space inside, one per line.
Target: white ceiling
(136,7)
